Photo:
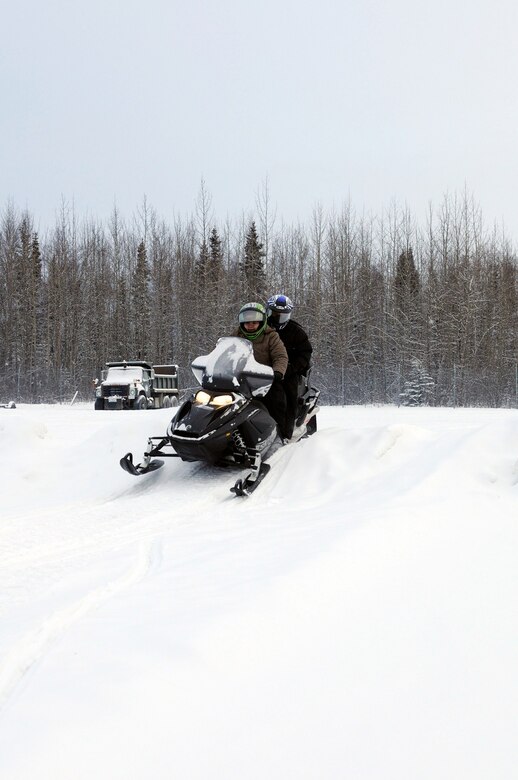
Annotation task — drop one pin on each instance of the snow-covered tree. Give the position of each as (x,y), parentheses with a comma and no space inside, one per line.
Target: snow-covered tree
(419,388)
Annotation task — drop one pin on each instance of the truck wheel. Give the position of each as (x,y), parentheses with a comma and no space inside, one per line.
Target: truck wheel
(99,403)
(166,402)
(141,402)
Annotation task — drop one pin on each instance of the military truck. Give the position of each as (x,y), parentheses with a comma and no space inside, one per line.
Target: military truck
(135,384)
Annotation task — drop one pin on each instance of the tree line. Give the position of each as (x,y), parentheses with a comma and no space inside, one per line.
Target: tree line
(397,311)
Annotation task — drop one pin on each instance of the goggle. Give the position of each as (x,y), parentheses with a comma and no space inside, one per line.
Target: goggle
(280,317)
(250,316)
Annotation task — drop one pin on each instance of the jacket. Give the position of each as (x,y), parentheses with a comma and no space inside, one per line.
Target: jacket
(269,350)
(298,346)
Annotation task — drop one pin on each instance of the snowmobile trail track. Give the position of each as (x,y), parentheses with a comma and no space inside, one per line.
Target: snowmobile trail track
(103,530)
(31,649)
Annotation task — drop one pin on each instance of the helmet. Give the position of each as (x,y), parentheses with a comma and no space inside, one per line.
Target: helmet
(279,311)
(252,312)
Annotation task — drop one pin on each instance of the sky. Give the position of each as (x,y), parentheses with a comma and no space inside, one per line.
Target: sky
(355,617)
(114,101)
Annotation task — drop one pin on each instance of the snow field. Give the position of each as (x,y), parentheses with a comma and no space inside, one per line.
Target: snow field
(356,617)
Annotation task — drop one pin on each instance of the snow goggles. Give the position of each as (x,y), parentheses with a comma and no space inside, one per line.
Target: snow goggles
(251,316)
(280,317)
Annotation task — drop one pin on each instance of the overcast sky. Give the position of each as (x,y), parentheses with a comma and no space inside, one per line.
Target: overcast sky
(108,101)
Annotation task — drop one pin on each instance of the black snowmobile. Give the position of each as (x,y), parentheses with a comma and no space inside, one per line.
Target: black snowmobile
(224,422)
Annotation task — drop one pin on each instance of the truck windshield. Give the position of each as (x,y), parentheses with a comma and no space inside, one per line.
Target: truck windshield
(123,376)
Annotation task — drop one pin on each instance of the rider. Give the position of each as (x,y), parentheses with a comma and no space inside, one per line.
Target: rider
(299,350)
(269,350)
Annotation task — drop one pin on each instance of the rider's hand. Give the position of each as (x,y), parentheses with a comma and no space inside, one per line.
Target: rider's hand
(278,376)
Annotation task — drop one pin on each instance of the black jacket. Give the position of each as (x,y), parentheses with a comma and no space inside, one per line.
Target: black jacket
(297,344)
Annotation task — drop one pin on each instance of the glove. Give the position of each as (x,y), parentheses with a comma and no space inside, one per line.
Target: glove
(277,375)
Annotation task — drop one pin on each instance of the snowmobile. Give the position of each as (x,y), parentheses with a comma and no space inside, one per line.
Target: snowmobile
(224,422)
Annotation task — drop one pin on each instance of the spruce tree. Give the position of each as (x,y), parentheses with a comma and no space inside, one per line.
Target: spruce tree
(140,300)
(407,322)
(406,283)
(215,257)
(252,266)
(22,305)
(418,389)
(35,321)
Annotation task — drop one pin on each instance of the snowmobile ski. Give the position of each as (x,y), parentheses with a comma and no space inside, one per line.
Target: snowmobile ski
(128,465)
(246,485)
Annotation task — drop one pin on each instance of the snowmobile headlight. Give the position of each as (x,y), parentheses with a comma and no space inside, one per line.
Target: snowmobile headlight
(218,401)
(222,400)
(202,398)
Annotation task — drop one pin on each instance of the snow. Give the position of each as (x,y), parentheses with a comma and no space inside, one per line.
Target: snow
(355,618)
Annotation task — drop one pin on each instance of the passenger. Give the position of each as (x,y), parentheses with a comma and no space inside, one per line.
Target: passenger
(299,349)
(270,351)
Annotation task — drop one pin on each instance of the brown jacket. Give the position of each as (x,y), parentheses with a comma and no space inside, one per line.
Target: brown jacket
(269,350)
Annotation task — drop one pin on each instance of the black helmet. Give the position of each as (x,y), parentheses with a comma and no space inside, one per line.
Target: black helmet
(252,312)
(279,311)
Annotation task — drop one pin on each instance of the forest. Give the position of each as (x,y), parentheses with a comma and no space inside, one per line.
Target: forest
(397,311)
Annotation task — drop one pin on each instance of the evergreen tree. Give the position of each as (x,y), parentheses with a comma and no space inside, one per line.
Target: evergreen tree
(35,318)
(219,292)
(406,284)
(9,281)
(418,389)
(121,336)
(252,266)
(22,305)
(407,322)
(140,299)
(162,295)
(215,257)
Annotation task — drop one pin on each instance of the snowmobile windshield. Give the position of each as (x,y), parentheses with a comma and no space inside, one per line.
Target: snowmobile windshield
(231,366)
